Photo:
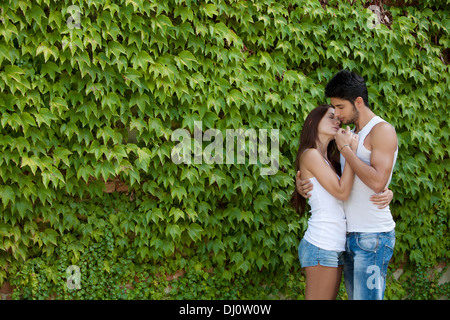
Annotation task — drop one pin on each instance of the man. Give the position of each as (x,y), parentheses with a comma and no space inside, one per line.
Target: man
(370,229)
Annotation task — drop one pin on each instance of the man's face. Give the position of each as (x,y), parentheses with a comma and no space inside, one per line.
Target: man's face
(344,110)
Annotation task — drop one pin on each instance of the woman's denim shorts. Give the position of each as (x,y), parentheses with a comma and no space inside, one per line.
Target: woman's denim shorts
(310,256)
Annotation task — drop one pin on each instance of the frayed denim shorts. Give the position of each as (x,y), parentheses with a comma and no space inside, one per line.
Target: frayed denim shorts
(310,256)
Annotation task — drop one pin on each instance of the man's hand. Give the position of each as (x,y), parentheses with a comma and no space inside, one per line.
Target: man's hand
(382,199)
(354,143)
(303,186)
(343,137)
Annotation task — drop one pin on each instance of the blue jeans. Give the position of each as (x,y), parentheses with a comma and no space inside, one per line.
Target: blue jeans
(366,262)
(310,255)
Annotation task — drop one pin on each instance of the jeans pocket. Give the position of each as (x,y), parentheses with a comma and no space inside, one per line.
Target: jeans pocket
(368,242)
(387,254)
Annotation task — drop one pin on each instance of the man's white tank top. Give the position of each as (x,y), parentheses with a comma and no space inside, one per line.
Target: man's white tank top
(326,226)
(362,215)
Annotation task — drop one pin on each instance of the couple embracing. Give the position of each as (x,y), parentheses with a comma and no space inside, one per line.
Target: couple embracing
(344,175)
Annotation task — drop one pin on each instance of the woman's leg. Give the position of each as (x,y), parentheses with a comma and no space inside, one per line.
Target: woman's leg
(322,283)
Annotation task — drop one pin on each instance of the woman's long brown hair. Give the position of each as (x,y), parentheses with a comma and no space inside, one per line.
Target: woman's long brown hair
(308,139)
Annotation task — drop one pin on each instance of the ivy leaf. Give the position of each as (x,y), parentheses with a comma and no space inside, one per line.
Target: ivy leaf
(134,76)
(14,72)
(176,213)
(195,231)
(27,121)
(33,162)
(76,247)
(119,153)
(161,22)
(178,192)
(36,13)
(168,247)
(217,176)
(116,49)
(142,251)
(47,50)
(85,172)
(189,173)
(134,177)
(49,236)
(185,13)
(233,213)
(142,60)
(111,100)
(106,169)
(237,257)
(62,154)
(261,203)
(7,194)
(56,17)
(185,58)
(210,10)
(236,97)
(174,231)
(21,206)
(144,157)
(19,250)
(244,266)
(266,60)
(245,185)
(59,104)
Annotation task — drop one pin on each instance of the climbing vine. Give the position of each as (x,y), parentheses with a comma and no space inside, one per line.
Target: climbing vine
(91,93)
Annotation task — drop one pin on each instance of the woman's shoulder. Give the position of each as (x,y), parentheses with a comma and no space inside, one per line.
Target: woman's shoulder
(308,162)
(310,154)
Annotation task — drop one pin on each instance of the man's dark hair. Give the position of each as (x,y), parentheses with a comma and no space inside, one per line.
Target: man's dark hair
(348,86)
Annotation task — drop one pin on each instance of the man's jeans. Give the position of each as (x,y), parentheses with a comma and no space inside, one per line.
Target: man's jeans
(366,262)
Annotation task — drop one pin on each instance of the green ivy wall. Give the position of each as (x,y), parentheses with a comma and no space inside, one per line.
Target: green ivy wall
(91,94)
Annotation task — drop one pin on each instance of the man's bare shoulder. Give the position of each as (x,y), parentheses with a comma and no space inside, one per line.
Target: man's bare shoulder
(383,135)
(383,129)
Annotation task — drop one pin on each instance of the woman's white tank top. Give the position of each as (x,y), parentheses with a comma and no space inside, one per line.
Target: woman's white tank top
(327,224)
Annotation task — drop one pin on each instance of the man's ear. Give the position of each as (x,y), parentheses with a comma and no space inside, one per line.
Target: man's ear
(359,102)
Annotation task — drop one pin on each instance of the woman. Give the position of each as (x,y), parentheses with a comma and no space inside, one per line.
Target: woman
(322,247)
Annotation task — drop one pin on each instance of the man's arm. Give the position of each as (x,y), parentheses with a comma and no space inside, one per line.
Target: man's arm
(384,144)
(303,186)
